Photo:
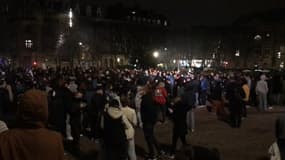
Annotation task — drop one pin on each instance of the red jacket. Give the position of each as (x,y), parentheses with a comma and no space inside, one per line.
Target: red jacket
(160,95)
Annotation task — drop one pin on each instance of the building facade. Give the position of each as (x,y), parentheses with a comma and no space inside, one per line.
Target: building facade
(66,32)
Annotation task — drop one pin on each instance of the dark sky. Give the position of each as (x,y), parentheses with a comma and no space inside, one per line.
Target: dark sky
(206,12)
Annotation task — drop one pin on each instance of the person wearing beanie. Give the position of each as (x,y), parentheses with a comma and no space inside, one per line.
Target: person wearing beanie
(30,140)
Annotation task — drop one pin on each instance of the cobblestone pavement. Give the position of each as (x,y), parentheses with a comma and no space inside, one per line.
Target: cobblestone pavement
(211,137)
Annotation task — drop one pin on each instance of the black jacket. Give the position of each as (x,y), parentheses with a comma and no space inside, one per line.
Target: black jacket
(149,110)
(179,117)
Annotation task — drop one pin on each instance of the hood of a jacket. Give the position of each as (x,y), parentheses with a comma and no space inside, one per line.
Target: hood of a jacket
(115,113)
(33,107)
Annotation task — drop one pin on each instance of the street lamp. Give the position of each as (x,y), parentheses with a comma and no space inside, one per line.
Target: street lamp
(70,15)
(155,54)
(257,37)
(237,54)
(279,55)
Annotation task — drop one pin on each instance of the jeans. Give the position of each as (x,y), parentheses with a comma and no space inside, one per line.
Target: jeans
(196,98)
(191,119)
(262,101)
(151,141)
(163,113)
(175,138)
(132,149)
(203,97)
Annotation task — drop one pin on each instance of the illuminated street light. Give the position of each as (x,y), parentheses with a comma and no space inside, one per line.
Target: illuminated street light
(28,43)
(174,61)
(279,55)
(165,49)
(237,54)
(257,37)
(155,54)
(70,14)
(118,60)
(80,43)
(70,23)
(282,65)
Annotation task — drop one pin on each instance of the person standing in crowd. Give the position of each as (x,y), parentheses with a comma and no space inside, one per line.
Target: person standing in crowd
(4,99)
(261,91)
(75,121)
(30,140)
(8,87)
(216,97)
(277,149)
(160,98)
(96,111)
(138,100)
(277,88)
(179,117)
(149,113)
(204,87)
(235,95)
(246,90)
(130,113)
(95,114)
(61,103)
(114,126)
(188,100)
(196,86)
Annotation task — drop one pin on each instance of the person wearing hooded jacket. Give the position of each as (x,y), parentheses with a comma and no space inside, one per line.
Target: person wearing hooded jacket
(179,117)
(277,149)
(30,140)
(160,98)
(130,113)
(149,114)
(261,90)
(115,126)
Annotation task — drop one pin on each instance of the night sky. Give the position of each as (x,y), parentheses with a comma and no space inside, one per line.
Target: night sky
(205,12)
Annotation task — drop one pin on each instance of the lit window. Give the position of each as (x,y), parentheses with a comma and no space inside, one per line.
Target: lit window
(28,43)
(88,11)
(257,37)
(158,22)
(99,12)
(165,23)
(279,55)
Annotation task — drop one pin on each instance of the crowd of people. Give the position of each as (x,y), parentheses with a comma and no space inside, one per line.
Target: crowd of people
(108,105)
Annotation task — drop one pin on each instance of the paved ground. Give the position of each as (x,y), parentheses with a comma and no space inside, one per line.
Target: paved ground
(250,142)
